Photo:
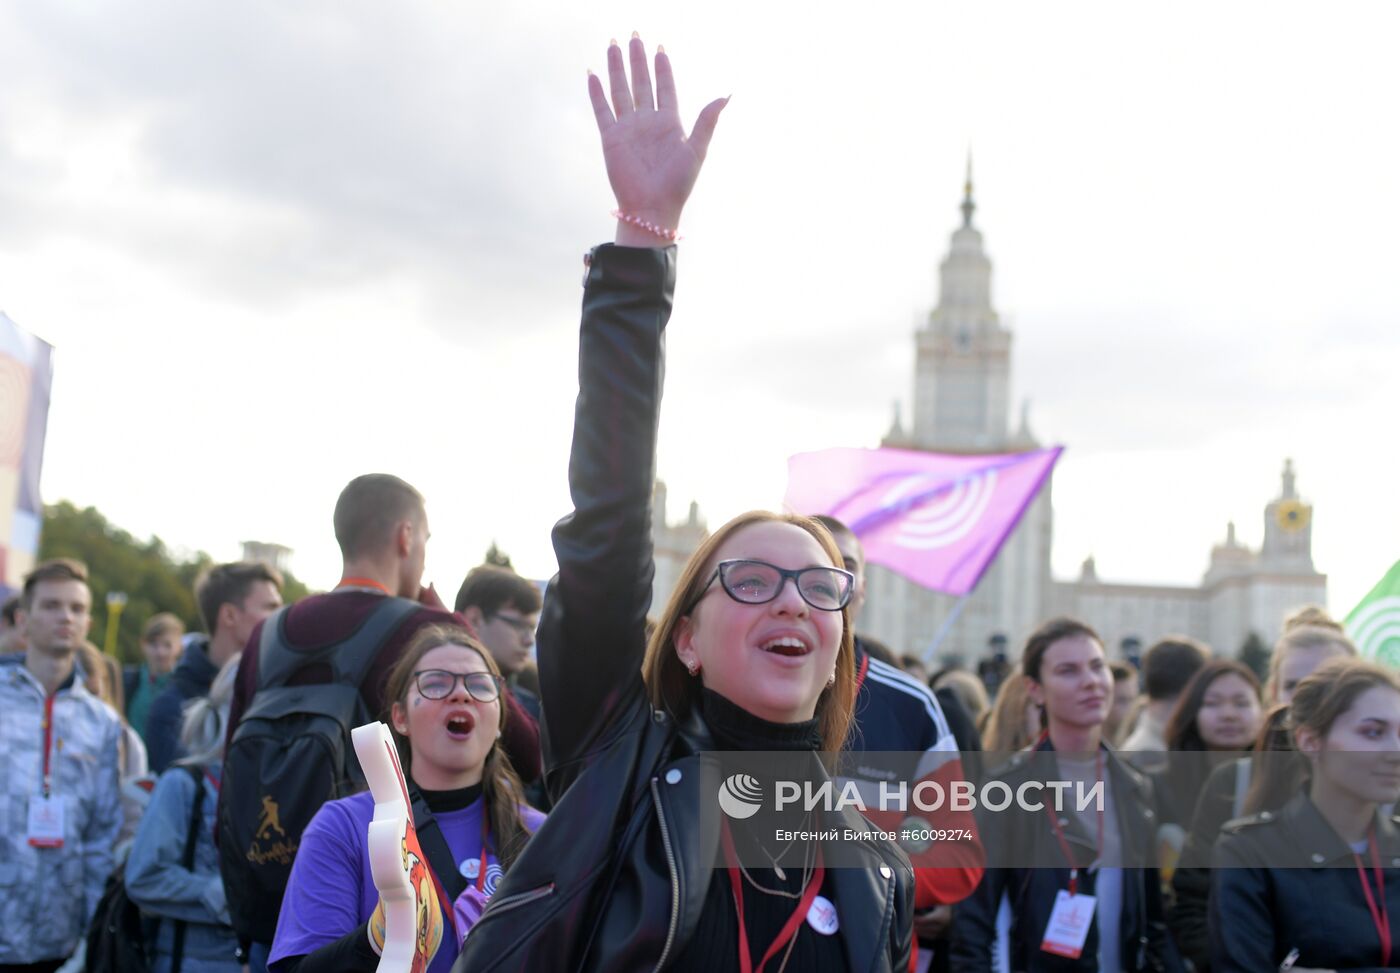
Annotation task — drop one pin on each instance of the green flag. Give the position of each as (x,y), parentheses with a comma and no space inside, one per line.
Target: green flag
(1374,624)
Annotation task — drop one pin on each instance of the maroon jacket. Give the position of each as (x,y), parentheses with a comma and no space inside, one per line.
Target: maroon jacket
(321,619)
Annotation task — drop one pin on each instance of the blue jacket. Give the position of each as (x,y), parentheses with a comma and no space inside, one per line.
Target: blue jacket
(192,678)
(157,881)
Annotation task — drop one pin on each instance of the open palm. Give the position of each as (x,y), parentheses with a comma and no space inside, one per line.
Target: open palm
(652,165)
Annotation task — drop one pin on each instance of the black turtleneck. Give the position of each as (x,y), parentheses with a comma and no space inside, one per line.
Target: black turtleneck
(440,802)
(715,944)
(735,728)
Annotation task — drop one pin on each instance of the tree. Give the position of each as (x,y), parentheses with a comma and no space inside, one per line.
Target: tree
(1255,655)
(145,571)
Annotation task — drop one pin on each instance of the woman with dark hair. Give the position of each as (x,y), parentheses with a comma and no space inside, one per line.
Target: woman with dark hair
(1218,714)
(446,716)
(1313,885)
(635,870)
(1075,879)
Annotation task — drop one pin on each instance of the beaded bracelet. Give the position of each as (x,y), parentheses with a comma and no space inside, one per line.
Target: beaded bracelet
(661,231)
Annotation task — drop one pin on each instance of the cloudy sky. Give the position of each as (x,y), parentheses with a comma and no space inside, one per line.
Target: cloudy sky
(279,245)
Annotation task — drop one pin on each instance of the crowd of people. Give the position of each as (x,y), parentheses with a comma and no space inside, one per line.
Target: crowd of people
(564,804)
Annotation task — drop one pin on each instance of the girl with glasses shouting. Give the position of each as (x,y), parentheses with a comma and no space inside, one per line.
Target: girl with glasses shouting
(446,716)
(636,868)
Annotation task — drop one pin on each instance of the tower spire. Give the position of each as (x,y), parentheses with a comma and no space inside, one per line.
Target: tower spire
(968,206)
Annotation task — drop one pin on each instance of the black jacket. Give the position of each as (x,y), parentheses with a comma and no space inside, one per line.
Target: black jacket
(1221,799)
(1028,836)
(616,877)
(191,679)
(1284,880)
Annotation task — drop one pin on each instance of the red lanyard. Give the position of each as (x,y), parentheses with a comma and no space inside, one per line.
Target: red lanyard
(481,868)
(1379,915)
(1060,834)
(790,927)
(361,583)
(48,742)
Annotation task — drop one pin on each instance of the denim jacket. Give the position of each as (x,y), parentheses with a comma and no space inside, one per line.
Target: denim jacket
(158,882)
(48,895)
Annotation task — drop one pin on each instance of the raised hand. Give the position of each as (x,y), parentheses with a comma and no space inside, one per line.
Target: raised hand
(651,164)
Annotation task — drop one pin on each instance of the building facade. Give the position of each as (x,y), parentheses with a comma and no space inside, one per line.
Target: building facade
(962,399)
(962,404)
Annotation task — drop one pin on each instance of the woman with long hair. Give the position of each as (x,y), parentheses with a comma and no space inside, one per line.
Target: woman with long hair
(1013,722)
(1247,785)
(1218,714)
(1078,898)
(637,869)
(446,716)
(1312,886)
(188,898)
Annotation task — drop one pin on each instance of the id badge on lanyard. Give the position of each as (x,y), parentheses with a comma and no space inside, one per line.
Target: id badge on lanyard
(45,827)
(1069,924)
(1073,914)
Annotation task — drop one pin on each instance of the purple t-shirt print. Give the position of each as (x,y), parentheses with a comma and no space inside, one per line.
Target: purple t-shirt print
(331,890)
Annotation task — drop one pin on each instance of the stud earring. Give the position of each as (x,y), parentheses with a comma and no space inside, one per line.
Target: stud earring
(692,667)
(831,679)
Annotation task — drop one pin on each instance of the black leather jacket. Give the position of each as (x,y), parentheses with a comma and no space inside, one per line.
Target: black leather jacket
(1144,944)
(1285,880)
(616,878)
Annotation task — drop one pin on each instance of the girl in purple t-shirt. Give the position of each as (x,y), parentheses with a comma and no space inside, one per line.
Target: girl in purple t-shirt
(446,717)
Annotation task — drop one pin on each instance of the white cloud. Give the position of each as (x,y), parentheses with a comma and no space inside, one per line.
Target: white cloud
(330,238)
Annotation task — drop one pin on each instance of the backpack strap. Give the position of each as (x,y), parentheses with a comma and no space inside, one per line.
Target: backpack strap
(434,845)
(191,841)
(349,657)
(358,652)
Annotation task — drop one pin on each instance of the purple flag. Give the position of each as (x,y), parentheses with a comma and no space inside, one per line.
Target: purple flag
(937,519)
(26,372)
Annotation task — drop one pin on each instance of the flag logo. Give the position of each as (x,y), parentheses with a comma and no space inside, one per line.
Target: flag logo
(1374,624)
(740,796)
(935,518)
(946,519)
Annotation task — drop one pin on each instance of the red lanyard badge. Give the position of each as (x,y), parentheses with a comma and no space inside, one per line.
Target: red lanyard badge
(1060,834)
(48,745)
(1376,904)
(789,930)
(481,868)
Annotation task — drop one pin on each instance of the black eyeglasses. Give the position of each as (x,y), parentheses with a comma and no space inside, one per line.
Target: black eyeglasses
(439,683)
(758,582)
(522,625)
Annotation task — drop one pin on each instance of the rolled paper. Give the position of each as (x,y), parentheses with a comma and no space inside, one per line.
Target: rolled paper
(412,927)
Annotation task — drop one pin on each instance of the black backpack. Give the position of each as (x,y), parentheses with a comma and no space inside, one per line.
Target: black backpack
(290,754)
(121,939)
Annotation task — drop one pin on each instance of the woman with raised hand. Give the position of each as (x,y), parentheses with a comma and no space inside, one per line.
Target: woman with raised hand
(1080,897)
(469,810)
(752,653)
(1313,886)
